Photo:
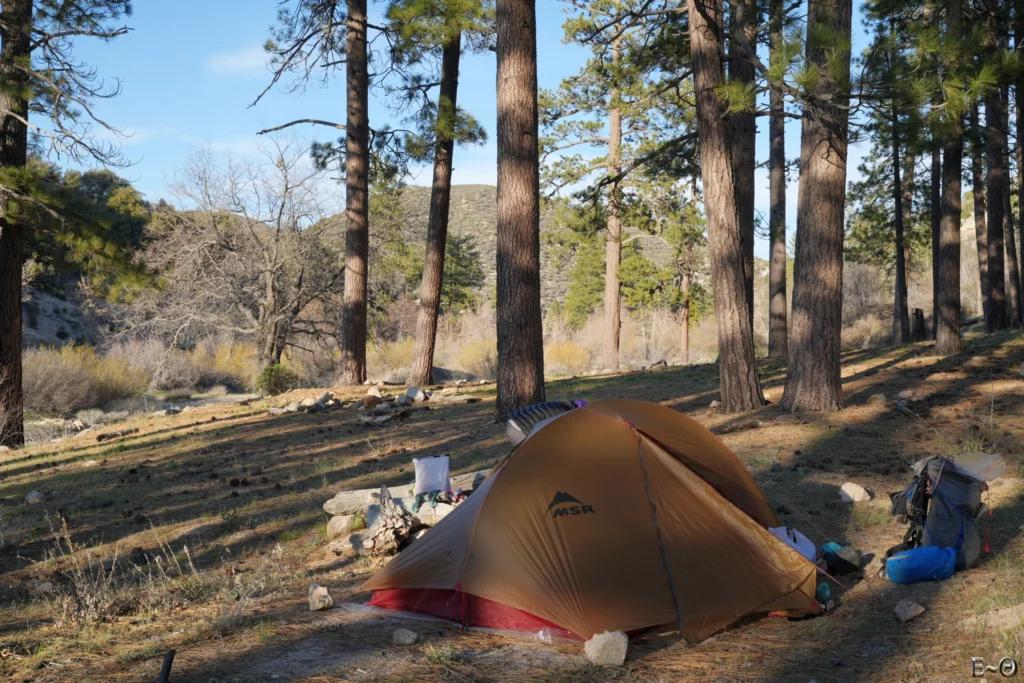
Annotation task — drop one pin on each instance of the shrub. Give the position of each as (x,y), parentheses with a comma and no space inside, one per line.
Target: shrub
(390,360)
(866,332)
(227,362)
(62,382)
(567,358)
(480,357)
(167,368)
(276,379)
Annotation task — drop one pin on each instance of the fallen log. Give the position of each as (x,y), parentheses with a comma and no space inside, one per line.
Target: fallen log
(349,502)
(107,436)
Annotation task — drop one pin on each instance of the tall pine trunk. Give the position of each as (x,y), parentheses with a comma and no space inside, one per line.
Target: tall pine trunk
(15,44)
(995,140)
(901,316)
(613,244)
(1010,240)
(744,131)
(684,318)
(813,376)
(980,226)
(437,227)
(947,337)
(936,221)
(520,333)
(1019,93)
(778,346)
(737,365)
(357,206)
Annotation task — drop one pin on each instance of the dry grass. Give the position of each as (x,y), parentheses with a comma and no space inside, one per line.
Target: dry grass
(234,606)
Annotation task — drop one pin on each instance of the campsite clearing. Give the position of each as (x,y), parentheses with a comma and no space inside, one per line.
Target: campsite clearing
(203,531)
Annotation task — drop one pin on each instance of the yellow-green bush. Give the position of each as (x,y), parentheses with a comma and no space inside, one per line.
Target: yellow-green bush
(64,381)
(567,358)
(385,357)
(233,363)
(480,357)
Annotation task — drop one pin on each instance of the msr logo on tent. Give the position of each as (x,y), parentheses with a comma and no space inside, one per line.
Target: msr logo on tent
(565,504)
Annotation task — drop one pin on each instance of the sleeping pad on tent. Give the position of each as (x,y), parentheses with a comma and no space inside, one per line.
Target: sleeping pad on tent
(618,516)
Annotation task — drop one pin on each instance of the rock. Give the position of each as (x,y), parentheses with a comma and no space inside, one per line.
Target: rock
(906,394)
(370,401)
(34,497)
(374,391)
(462,382)
(338,526)
(325,398)
(461,398)
(416,394)
(404,636)
(853,493)
(385,406)
(850,554)
(607,649)
(307,403)
(44,587)
(292,407)
(714,404)
(277,411)
(907,610)
(78,425)
(403,400)
(367,382)
(350,502)
(319,598)
(877,400)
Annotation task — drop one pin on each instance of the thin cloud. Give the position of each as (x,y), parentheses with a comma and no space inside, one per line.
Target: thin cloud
(246,61)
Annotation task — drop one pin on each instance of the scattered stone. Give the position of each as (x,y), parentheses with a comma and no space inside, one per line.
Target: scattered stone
(319,598)
(906,394)
(907,610)
(853,493)
(877,400)
(462,382)
(416,394)
(370,401)
(307,403)
(374,391)
(714,404)
(78,425)
(292,407)
(367,382)
(850,554)
(277,411)
(338,526)
(34,497)
(403,400)
(607,649)
(404,636)
(325,398)
(385,406)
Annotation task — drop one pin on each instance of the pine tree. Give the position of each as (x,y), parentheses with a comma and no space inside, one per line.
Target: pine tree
(778,327)
(520,333)
(813,375)
(995,180)
(36,42)
(977,151)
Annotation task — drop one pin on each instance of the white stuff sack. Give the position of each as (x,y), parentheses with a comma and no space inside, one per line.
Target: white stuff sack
(431,474)
(795,540)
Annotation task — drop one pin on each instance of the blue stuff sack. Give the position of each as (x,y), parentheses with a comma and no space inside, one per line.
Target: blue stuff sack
(926,563)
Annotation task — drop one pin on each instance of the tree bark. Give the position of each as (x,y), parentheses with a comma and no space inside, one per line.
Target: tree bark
(15,47)
(744,132)
(813,376)
(357,206)
(684,319)
(947,337)
(520,333)
(995,140)
(740,388)
(437,227)
(613,245)
(936,220)
(1019,94)
(778,345)
(901,314)
(980,208)
(1012,265)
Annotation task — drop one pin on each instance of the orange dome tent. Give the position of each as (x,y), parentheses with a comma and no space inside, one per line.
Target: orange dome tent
(617,516)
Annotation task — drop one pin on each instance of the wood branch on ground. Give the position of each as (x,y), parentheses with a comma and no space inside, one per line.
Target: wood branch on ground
(393,526)
(107,436)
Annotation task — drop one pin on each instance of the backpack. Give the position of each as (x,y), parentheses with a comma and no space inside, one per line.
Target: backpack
(942,505)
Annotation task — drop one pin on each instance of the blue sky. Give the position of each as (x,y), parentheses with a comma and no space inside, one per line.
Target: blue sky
(190,69)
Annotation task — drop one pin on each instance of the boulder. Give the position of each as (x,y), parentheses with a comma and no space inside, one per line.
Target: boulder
(416,394)
(714,404)
(319,598)
(34,497)
(370,401)
(906,394)
(338,526)
(403,400)
(404,636)
(876,400)
(307,403)
(349,502)
(853,493)
(374,391)
(327,396)
(907,610)
(277,411)
(44,587)
(292,407)
(607,649)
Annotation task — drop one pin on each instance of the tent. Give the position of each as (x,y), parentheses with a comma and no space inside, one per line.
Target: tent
(617,516)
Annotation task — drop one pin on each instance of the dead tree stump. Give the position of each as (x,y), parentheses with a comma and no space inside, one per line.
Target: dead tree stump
(920,332)
(391,528)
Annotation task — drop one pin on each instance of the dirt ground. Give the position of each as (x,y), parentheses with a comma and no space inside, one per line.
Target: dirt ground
(202,532)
